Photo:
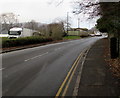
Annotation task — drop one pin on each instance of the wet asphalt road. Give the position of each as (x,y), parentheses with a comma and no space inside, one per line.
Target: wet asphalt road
(40,71)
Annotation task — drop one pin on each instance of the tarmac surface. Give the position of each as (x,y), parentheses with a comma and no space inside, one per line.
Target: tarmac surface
(40,71)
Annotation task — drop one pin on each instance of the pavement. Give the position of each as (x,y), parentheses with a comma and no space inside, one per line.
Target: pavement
(96,78)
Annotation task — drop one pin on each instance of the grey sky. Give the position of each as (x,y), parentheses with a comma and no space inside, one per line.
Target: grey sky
(41,11)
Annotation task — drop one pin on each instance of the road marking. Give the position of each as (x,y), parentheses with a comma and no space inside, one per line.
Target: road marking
(68,83)
(57,49)
(78,80)
(2,69)
(64,82)
(36,57)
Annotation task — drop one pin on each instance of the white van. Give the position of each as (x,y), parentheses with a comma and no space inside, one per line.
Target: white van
(20,32)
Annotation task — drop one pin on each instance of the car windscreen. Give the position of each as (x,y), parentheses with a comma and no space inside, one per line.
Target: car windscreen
(14,32)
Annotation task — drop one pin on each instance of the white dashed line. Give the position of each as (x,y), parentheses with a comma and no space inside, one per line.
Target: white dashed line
(57,49)
(2,69)
(36,57)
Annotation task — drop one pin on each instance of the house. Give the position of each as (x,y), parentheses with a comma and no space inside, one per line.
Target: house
(78,32)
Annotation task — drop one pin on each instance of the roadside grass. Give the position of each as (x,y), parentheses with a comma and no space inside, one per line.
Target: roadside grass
(71,37)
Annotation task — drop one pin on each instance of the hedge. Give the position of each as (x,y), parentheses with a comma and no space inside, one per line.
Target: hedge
(24,41)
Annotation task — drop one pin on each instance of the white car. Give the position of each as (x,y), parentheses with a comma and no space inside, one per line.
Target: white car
(98,34)
(92,35)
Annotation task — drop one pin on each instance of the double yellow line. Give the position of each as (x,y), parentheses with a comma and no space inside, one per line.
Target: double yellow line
(68,78)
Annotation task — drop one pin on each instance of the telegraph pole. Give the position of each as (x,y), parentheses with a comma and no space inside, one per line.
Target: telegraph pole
(67,21)
(78,22)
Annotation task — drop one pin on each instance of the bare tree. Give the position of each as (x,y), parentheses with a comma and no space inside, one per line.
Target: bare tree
(8,20)
(56,2)
(32,25)
(89,7)
(65,22)
(57,30)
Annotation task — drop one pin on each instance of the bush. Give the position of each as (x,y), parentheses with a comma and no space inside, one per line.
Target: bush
(25,41)
(56,31)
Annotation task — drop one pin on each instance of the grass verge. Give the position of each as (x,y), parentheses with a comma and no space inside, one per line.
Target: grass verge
(71,37)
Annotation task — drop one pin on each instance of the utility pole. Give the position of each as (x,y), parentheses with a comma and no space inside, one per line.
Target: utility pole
(78,22)
(0,26)
(67,21)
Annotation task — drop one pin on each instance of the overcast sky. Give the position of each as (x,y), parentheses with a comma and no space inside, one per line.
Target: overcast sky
(42,11)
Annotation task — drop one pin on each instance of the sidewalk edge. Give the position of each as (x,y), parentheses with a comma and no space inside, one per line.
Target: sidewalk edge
(76,88)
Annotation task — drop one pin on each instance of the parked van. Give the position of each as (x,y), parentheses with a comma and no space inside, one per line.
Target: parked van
(20,32)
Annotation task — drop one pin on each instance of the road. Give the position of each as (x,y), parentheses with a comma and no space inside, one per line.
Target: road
(40,71)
